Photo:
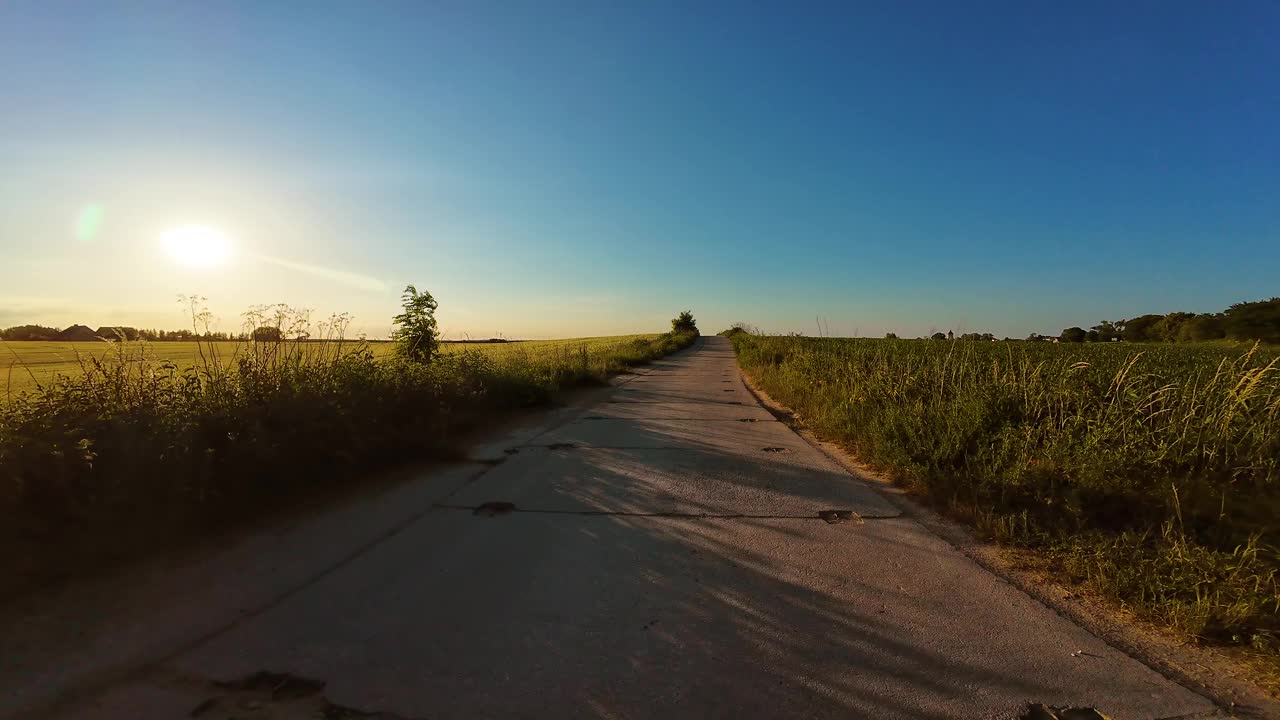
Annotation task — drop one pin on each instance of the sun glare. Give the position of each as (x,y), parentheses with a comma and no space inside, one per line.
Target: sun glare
(196,246)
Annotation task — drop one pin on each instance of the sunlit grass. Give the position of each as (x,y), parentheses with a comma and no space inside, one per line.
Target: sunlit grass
(1151,473)
(113,447)
(26,365)
(538,347)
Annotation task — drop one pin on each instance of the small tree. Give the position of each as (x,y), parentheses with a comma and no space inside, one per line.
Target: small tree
(1073,335)
(267,334)
(1107,330)
(1202,327)
(1143,328)
(684,323)
(417,335)
(1254,320)
(890,336)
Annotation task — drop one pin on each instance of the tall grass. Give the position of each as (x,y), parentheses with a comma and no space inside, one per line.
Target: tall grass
(1151,473)
(130,451)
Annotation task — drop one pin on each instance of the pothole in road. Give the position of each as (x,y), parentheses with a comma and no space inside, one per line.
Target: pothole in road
(775,450)
(727,390)
(561,446)
(1037,711)
(835,517)
(747,420)
(277,696)
(494,508)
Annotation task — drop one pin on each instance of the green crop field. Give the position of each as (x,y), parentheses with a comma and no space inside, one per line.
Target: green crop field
(537,348)
(1150,472)
(25,365)
(107,447)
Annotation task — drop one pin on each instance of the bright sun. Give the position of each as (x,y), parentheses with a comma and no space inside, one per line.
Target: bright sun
(196,246)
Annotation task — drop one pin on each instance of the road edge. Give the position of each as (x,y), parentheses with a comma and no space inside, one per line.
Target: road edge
(1200,669)
(78,686)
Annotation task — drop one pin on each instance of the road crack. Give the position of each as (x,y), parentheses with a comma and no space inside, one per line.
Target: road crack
(832,517)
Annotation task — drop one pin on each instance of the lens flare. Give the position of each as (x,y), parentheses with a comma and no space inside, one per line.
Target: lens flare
(88,222)
(196,246)
(355,280)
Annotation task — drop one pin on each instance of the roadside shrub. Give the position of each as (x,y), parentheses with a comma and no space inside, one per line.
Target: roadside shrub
(684,323)
(96,466)
(1152,474)
(416,334)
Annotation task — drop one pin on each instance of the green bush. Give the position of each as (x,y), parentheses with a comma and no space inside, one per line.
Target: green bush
(684,323)
(417,336)
(1105,455)
(96,466)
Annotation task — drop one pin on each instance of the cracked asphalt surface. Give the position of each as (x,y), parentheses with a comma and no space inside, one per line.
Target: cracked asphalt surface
(668,551)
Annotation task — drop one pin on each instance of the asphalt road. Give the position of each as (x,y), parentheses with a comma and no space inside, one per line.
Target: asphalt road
(665,558)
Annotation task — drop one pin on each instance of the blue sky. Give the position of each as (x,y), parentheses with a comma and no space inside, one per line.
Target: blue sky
(560,169)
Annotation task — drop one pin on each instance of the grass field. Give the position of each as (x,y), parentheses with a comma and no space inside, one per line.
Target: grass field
(1150,473)
(26,365)
(106,450)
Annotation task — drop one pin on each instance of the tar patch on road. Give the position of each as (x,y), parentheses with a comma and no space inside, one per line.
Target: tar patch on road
(494,508)
(1037,711)
(747,420)
(278,686)
(257,695)
(277,696)
(835,517)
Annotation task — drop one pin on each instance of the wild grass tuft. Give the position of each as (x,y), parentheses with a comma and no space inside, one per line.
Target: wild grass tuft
(1151,473)
(133,450)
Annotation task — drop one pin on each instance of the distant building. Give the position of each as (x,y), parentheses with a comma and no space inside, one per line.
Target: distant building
(78,333)
(117,332)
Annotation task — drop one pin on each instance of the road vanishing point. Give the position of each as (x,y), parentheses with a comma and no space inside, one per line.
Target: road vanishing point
(664,549)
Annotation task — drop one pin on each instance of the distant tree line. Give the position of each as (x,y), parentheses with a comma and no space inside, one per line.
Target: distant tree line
(82,333)
(1246,321)
(1258,320)
(949,335)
